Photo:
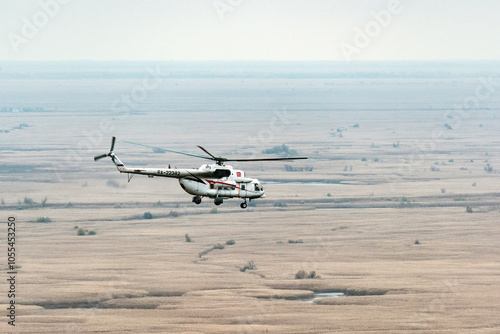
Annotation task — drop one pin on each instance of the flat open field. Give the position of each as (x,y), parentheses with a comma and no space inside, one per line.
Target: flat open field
(398,207)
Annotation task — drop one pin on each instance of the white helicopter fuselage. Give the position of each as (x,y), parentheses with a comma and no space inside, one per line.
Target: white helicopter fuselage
(216,181)
(213,181)
(233,185)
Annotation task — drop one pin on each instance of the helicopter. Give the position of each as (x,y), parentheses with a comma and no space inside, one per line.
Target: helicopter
(217,180)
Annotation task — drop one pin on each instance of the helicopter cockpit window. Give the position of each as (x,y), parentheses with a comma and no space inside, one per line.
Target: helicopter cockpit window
(257,187)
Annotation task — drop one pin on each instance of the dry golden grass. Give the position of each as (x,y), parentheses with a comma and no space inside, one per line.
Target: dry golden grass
(139,275)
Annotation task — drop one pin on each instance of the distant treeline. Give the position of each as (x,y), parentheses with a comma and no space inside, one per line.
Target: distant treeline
(21,109)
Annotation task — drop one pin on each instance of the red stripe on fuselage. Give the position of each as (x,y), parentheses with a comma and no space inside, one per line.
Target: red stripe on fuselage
(230,185)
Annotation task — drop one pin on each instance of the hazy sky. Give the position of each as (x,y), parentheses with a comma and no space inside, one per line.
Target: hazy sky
(249,29)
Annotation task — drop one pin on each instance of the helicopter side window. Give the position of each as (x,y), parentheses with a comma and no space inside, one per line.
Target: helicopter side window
(242,187)
(211,186)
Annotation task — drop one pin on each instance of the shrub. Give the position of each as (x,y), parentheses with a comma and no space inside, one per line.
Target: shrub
(230,242)
(299,241)
(147,215)
(213,210)
(250,265)
(188,238)
(92,232)
(76,227)
(417,242)
(173,214)
(283,150)
(44,202)
(29,201)
(80,231)
(218,246)
(302,274)
(363,159)
(468,209)
(43,220)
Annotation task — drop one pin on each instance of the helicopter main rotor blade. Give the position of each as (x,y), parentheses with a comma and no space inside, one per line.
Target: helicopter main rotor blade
(267,159)
(210,154)
(165,150)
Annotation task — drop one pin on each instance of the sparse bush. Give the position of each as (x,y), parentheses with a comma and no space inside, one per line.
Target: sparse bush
(92,232)
(188,238)
(468,209)
(280,205)
(69,205)
(44,202)
(80,232)
(173,214)
(43,220)
(158,204)
(488,168)
(290,168)
(363,159)
(208,250)
(250,265)
(147,215)
(213,210)
(282,150)
(76,227)
(417,242)
(230,242)
(302,274)
(29,201)
(328,195)
(299,241)
(443,190)
(404,201)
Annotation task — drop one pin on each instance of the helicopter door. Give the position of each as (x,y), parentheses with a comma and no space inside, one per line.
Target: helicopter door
(243,190)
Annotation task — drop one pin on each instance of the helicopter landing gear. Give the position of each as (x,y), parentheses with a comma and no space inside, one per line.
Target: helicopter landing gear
(243,205)
(218,200)
(197,199)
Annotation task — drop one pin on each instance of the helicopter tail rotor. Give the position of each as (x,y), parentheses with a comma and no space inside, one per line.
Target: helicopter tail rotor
(113,140)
